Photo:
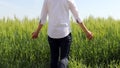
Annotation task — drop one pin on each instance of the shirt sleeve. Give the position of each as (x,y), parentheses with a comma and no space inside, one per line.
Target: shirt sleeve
(44,12)
(74,10)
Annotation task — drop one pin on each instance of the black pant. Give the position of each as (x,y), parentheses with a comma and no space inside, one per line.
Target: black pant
(59,48)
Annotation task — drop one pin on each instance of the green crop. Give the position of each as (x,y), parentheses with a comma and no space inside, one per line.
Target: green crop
(19,50)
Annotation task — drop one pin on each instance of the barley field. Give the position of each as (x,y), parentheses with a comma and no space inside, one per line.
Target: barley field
(19,50)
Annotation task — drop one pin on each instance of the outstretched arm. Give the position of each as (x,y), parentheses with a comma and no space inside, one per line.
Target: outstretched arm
(35,34)
(86,31)
(76,15)
(44,13)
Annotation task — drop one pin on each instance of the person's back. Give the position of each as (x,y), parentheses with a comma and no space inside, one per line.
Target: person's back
(58,18)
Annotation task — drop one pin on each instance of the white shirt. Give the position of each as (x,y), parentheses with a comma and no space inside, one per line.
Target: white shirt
(58,16)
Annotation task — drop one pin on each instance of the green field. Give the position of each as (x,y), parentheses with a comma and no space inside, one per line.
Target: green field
(19,50)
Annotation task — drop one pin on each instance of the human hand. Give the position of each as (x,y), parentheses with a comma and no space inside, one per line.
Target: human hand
(89,35)
(35,35)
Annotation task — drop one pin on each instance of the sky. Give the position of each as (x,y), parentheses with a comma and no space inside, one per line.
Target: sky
(32,8)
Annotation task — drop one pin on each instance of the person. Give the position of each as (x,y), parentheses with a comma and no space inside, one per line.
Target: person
(59,31)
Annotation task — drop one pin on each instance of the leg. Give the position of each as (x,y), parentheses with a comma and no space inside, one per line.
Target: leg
(54,49)
(65,48)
